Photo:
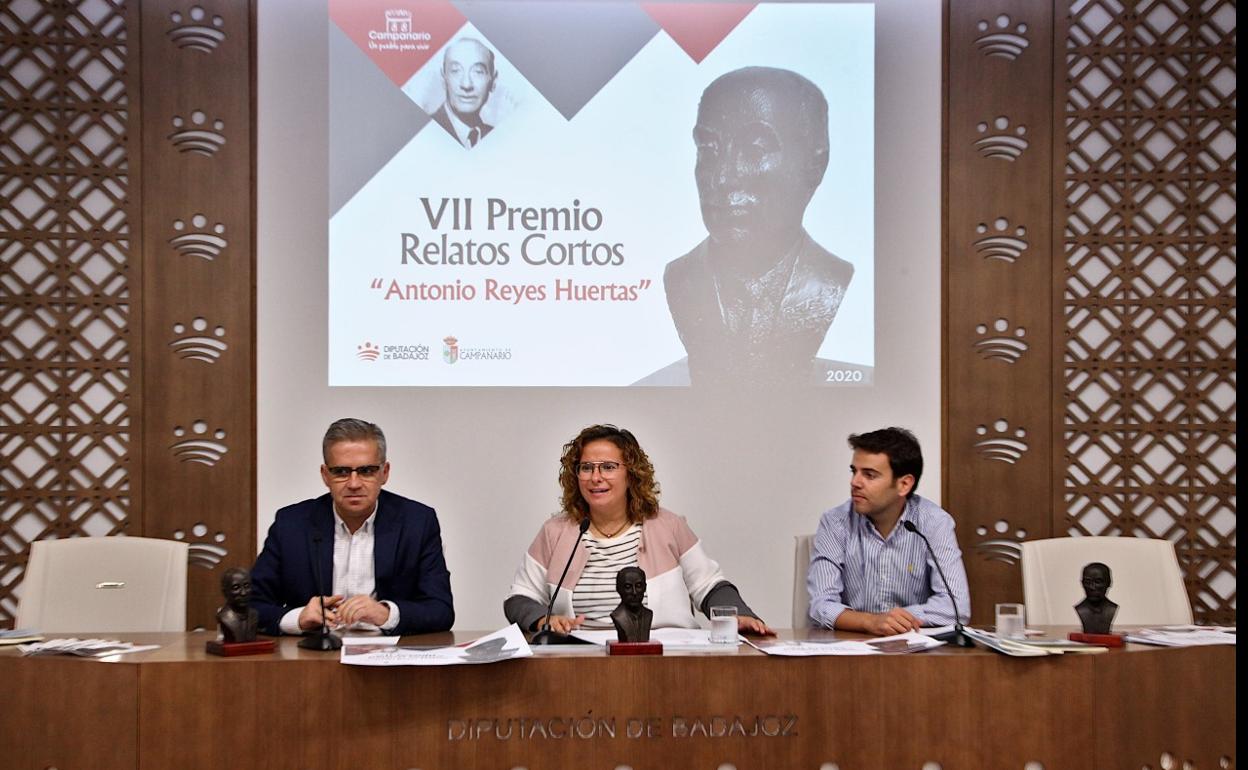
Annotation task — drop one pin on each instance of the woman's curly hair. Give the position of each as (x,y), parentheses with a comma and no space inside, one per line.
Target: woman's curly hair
(643,490)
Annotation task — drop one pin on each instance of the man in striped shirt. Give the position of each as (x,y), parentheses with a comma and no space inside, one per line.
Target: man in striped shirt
(869,573)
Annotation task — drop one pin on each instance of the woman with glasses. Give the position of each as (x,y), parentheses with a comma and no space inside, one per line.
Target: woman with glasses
(608,480)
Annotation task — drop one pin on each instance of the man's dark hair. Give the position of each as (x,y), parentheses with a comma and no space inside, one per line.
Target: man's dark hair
(902,448)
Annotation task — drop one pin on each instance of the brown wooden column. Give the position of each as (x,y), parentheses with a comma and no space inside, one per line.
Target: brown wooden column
(998,389)
(199,274)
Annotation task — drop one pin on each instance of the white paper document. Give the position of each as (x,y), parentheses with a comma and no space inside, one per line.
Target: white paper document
(504,644)
(1030,649)
(911,641)
(1183,636)
(671,638)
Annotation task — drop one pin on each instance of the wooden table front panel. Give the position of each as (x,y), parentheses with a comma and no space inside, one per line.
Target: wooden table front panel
(177,707)
(961,710)
(68,714)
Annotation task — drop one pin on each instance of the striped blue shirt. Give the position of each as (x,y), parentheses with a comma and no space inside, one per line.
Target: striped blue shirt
(852,567)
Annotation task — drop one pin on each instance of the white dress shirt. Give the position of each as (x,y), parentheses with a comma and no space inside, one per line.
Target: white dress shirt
(354,573)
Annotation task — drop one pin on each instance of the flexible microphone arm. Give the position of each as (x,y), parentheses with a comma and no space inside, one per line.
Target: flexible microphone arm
(324,639)
(957,636)
(547,635)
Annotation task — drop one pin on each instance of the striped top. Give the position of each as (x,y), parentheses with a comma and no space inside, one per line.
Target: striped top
(594,595)
(852,567)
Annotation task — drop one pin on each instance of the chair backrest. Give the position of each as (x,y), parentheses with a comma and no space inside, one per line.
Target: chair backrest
(93,584)
(1147,583)
(801,566)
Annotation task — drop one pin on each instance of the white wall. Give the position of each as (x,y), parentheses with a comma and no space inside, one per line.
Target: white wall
(748,476)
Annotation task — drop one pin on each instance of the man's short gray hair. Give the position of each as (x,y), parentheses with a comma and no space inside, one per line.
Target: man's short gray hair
(351,429)
(489,53)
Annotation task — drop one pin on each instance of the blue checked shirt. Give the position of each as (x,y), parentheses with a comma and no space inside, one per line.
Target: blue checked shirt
(852,567)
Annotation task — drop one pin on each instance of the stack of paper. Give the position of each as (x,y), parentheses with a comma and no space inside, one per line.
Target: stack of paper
(86,648)
(899,643)
(505,644)
(1032,648)
(671,638)
(19,636)
(1183,636)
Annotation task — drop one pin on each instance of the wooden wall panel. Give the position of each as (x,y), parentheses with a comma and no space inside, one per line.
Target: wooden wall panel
(127,397)
(998,337)
(1115,308)
(70,279)
(199,272)
(1145,311)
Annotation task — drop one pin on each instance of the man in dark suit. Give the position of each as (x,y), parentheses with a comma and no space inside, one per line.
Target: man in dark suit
(469,75)
(752,303)
(379,555)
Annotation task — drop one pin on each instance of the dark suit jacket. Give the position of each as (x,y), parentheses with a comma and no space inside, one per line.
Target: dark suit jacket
(442,118)
(407,559)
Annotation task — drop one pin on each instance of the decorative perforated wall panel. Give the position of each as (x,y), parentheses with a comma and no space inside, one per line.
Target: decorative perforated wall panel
(69,290)
(1148,368)
(126,301)
(1090,367)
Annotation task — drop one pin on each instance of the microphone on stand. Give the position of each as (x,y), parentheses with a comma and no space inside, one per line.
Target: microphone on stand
(324,639)
(957,637)
(547,635)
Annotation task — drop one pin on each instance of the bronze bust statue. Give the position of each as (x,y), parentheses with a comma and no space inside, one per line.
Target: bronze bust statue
(237,619)
(1096,611)
(632,619)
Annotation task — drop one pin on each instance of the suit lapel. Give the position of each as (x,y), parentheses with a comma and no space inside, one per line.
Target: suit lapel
(323,552)
(385,541)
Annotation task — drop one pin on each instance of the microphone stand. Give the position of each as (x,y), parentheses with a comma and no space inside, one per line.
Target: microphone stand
(547,635)
(324,639)
(957,637)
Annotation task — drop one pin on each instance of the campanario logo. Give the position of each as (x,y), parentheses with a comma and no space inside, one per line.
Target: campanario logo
(398,35)
(450,350)
(367,352)
(398,20)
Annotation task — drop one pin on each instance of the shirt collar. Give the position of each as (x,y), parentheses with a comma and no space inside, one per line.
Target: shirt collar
(461,128)
(340,526)
(906,515)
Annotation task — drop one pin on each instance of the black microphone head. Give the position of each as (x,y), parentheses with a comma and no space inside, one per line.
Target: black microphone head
(584,525)
(909,525)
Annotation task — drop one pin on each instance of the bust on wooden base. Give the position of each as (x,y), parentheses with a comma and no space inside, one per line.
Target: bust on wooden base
(1096,612)
(237,619)
(632,618)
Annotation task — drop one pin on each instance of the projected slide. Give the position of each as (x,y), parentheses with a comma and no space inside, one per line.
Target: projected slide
(601,194)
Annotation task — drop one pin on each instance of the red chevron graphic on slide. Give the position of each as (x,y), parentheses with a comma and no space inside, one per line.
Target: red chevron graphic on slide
(698,27)
(400,36)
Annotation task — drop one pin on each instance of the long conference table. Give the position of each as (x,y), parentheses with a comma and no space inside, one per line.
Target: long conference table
(177,707)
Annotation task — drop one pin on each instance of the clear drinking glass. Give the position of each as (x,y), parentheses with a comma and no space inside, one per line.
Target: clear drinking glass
(1012,621)
(724,625)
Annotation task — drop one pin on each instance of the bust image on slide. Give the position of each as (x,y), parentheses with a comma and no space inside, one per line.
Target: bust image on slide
(753,302)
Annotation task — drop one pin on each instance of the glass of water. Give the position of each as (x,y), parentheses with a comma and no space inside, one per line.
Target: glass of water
(724,625)
(1012,621)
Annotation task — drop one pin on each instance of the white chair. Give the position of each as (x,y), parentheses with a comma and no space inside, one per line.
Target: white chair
(1147,583)
(801,566)
(104,584)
